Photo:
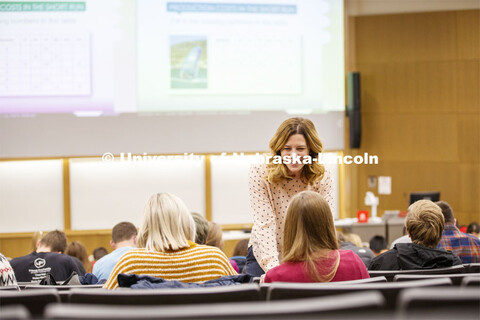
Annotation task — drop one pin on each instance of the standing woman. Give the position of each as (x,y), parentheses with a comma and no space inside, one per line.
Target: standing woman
(273,185)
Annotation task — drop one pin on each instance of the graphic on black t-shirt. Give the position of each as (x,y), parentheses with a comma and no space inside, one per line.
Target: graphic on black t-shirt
(39,263)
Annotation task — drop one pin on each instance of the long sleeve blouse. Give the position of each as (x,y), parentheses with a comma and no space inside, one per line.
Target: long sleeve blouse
(269,202)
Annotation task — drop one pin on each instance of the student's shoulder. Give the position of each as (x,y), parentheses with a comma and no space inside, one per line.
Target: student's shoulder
(473,239)
(134,252)
(205,248)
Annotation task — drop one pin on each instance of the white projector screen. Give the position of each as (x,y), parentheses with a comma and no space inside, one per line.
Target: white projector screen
(114,56)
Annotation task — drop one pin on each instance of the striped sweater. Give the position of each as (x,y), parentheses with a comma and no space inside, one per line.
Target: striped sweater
(197,263)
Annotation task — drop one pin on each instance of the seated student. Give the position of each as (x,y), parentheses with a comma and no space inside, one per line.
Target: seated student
(77,250)
(98,253)
(201,227)
(425,225)
(378,245)
(310,251)
(215,239)
(165,247)
(37,235)
(7,276)
(240,254)
(48,258)
(215,235)
(355,239)
(474,229)
(403,239)
(124,238)
(465,246)
(364,253)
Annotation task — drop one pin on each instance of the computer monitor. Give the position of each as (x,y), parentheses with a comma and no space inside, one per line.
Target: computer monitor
(428,195)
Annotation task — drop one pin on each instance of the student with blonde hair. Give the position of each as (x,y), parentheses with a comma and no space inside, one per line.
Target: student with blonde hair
(273,185)
(425,224)
(310,251)
(166,248)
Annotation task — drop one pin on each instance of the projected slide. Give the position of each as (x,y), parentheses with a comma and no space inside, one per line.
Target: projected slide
(101,57)
(46,64)
(58,56)
(249,55)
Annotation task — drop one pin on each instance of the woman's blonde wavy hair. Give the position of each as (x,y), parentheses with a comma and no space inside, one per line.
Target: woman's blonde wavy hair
(309,236)
(310,172)
(166,224)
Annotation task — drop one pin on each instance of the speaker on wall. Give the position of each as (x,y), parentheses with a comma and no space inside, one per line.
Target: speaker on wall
(354,110)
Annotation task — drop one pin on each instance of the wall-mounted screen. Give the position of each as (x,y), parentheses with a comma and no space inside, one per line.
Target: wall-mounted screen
(115,56)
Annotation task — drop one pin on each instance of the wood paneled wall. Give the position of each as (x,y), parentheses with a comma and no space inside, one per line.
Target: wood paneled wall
(420,92)
(19,244)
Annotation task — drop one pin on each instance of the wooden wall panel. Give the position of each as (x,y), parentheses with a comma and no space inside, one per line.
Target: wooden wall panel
(18,244)
(417,87)
(468,193)
(410,137)
(467,86)
(468,34)
(410,177)
(420,107)
(406,37)
(15,245)
(469,139)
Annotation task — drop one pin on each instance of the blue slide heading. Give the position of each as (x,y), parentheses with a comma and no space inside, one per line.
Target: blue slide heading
(231,8)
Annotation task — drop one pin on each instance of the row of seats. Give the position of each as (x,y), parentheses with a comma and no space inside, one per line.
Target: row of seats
(437,303)
(459,269)
(37,298)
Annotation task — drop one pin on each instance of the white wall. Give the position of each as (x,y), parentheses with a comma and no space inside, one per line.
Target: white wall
(65,135)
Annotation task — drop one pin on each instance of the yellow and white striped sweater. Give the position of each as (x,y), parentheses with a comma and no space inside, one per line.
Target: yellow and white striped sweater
(197,263)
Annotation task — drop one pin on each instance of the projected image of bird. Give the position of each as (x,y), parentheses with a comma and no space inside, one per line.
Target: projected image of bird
(189,69)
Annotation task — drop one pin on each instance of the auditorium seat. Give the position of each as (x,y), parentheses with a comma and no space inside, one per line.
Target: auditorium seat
(63,291)
(367,280)
(344,306)
(389,274)
(443,303)
(22,285)
(34,300)
(471,281)
(244,292)
(472,267)
(456,278)
(264,287)
(10,288)
(390,290)
(14,312)
(61,287)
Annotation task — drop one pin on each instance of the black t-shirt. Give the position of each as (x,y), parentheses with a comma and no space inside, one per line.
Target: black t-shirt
(35,266)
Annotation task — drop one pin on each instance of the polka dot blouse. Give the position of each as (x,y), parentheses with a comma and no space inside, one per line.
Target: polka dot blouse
(269,204)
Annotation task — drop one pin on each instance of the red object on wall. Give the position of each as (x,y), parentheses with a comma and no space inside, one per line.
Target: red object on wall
(362,216)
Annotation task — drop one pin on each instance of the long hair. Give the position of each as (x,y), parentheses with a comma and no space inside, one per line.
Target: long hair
(310,172)
(309,236)
(215,235)
(77,249)
(166,224)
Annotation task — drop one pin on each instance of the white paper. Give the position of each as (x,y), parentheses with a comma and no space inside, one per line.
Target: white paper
(384,185)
